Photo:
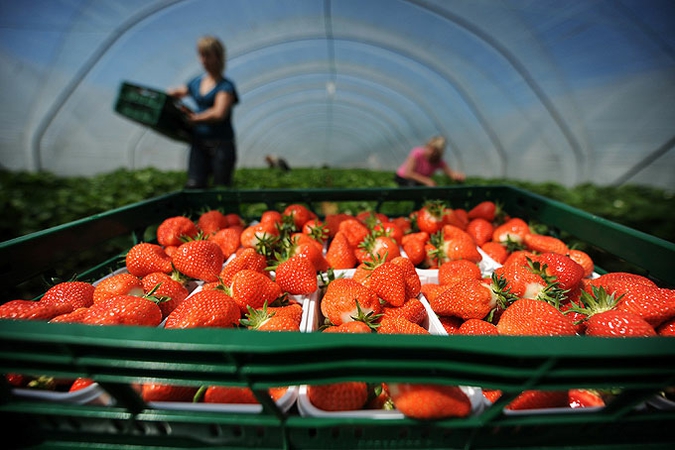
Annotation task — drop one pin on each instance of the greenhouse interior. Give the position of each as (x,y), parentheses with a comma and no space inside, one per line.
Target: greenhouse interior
(224,219)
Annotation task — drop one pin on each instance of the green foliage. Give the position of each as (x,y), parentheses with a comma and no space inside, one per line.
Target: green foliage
(35,201)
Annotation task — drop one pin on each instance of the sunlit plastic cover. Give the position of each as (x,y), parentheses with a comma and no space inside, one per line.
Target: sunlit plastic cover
(545,90)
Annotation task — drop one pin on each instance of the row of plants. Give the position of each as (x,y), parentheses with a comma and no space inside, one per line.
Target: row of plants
(32,202)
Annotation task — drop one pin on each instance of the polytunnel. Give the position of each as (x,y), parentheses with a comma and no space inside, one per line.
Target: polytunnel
(563,91)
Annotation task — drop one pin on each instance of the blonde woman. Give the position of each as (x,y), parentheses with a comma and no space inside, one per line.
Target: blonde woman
(213,151)
(423,162)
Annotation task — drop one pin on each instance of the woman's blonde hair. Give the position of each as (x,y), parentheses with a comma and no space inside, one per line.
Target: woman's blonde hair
(212,45)
(437,145)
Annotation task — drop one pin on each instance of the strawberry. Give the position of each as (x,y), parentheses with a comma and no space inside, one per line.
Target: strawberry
(496,251)
(583,259)
(486,210)
(512,231)
(561,269)
(390,229)
(80,383)
(620,281)
(206,308)
(230,395)
(429,401)
(537,399)
(667,328)
(354,230)
(373,247)
(263,233)
(344,396)
(534,318)
(78,294)
(173,231)
(522,282)
(156,392)
(355,326)
(313,253)
(451,325)
(118,284)
(452,271)
(264,320)
(584,398)
(234,220)
(456,217)
(299,213)
(430,216)
(414,246)
(345,298)
(480,231)
(33,310)
(478,327)
(399,325)
(412,310)
(271,217)
(145,258)
(453,243)
(544,244)
(371,218)
(467,299)
(124,310)
(333,221)
(340,253)
(210,222)
(199,259)
(289,308)
(655,305)
(403,223)
(492,395)
(617,323)
(248,259)
(432,290)
(413,284)
(228,239)
(387,281)
(76,316)
(162,285)
(317,230)
(254,289)
(296,275)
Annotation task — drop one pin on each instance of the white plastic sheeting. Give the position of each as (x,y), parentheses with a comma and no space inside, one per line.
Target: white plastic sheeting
(540,90)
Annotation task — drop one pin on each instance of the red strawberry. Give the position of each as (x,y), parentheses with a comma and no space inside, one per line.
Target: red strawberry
(78,294)
(430,218)
(534,318)
(262,233)
(451,325)
(162,285)
(124,310)
(390,229)
(496,251)
(536,399)
(199,259)
(300,215)
(433,290)
(561,269)
(429,401)
(156,392)
(254,289)
(291,309)
(377,247)
(399,325)
(76,316)
(486,210)
(414,246)
(583,259)
(617,323)
(413,284)
(521,281)
(296,275)
(453,271)
(655,305)
(387,281)
(452,243)
(480,230)
(271,217)
(355,326)
(206,308)
(345,396)
(354,230)
(456,217)
(234,220)
(212,221)
(174,230)
(343,299)
(584,398)
(478,327)
(264,320)
(230,395)
(80,383)
(340,254)
(118,284)
(145,258)
(32,310)
(513,230)
(403,223)
(467,299)
(248,259)
(228,239)
(545,244)
(317,230)
(667,328)
(412,310)
(313,253)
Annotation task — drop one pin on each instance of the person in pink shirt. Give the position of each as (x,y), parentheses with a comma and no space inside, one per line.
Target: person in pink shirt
(423,162)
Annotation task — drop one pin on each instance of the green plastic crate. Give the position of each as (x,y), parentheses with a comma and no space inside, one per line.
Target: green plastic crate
(154,109)
(118,356)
